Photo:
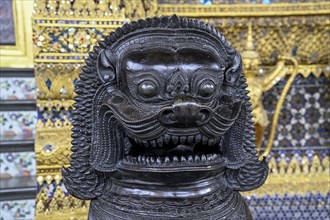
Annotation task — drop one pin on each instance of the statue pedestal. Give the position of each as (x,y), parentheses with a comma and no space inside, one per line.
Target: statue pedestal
(221,204)
(171,192)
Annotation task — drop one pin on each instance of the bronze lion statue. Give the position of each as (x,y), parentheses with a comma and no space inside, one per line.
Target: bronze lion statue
(163,126)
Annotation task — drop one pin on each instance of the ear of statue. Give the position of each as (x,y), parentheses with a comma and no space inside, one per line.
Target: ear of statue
(106,66)
(106,147)
(244,171)
(232,74)
(233,142)
(249,177)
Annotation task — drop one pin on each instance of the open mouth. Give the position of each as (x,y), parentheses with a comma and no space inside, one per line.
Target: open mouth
(174,151)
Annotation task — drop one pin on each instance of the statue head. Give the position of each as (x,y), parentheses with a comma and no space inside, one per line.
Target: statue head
(163,101)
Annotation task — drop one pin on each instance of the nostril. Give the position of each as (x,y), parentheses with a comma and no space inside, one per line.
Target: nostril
(167,116)
(167,112)
(204,115)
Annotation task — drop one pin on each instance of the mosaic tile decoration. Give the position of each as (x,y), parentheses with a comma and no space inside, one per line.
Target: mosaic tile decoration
(22,88)
(54,115)
(17,210)
(20,123)
(303,130)
(290,207)
(7,27)
(305,115)
(68,40)
(17,164)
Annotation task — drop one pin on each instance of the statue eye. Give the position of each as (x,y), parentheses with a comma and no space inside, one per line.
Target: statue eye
(147,89)
(206,89)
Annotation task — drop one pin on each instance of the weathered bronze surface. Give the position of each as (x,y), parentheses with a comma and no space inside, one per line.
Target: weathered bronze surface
(163,126)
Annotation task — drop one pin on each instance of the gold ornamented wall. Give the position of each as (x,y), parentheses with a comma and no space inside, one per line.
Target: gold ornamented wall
(286,39)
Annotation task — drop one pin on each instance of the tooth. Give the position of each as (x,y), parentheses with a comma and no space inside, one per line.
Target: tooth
(210,142)
(190,139)
(190,159)
(175,139)
(198,138)
(183,139)
(183,159)
(129,158)
(203,157)
(197,158)
(213,156)
(160,142)
(152,159)
(167,159)
(143,159)
(209,157)
(146,143)
(148,160)
(159,161)
(139,158)
(204,140)
(175,159)
(133,159)
(153,143)
(167,138)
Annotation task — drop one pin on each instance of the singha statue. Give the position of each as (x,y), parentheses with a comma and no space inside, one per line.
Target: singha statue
(163,126)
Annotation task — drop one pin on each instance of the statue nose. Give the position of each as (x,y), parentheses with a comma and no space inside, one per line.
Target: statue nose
(185,114)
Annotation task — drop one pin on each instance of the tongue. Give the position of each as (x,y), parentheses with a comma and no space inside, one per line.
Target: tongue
(181,150)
